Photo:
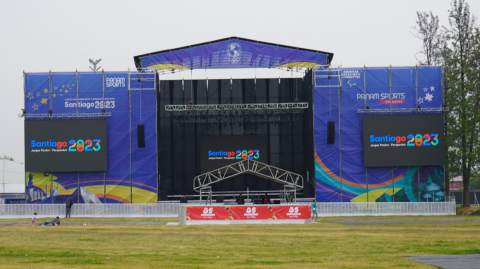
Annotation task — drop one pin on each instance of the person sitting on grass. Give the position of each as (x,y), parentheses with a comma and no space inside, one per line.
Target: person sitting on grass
(54,222)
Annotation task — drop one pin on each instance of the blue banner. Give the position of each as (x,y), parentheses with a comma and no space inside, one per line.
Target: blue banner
(340,174)
(131,172)
(233,53)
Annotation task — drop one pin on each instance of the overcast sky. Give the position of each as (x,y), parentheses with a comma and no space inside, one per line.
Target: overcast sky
(38,36)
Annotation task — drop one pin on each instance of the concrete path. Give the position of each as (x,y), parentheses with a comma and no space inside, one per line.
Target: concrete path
(450,261)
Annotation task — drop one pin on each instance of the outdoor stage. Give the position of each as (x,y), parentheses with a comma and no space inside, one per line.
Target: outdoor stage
(340,135)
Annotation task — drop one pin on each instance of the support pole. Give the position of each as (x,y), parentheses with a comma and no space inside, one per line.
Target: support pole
(365,106)
(339,78)
(393,181)
(76,83)
(130,119)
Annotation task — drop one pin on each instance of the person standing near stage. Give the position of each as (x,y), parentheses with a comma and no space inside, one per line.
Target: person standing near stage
(266,199)
(240,200)
(34,220)
(68,206)
(314,209)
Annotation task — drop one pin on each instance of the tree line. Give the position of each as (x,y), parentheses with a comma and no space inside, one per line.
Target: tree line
(456,47)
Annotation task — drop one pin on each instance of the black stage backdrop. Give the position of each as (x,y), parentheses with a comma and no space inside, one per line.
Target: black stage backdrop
(290,145)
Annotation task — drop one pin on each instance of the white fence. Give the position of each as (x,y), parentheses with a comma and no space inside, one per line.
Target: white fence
(386,209)
(91,210)
(171,210)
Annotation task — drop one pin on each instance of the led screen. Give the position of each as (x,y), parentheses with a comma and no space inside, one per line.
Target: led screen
(65,145)
(403,140)
(219,151)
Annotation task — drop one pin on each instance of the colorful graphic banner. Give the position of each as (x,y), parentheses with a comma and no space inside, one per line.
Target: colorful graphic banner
(340,172)
(261,212)
(131,174)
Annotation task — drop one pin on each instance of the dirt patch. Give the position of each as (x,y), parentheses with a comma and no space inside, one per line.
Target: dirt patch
(467,210)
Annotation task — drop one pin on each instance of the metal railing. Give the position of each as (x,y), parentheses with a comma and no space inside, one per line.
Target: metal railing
(385,209)
(90,210)
(171,209)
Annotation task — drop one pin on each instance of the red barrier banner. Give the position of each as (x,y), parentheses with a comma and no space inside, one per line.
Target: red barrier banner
(207,213)
(251,212)
(292,212)
(263,212)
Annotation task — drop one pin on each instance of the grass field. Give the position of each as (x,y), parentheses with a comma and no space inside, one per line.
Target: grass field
(317,245)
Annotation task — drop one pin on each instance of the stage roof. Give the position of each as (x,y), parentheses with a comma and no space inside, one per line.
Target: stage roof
(233,52)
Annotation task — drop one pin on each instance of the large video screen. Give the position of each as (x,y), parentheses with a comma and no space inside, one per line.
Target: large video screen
(220,151)
(65,145)
(403,140)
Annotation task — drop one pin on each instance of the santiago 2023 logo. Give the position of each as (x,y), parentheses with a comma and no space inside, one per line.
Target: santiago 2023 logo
(399,141)
(79,145)
(230,155)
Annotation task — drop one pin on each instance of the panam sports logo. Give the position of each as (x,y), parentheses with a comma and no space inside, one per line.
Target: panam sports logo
(385,98)
(230,155)
(293,211)
(208,212)
(115,82)
(400,141)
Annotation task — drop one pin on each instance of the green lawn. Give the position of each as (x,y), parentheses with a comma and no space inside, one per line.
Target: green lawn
(317,245)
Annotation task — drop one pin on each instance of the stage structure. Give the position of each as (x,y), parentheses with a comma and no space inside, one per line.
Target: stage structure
(192,128)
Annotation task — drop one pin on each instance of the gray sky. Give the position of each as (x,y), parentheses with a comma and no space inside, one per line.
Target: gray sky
(38,36)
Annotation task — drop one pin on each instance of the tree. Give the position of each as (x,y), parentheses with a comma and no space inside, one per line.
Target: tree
(428,30)
(461,94)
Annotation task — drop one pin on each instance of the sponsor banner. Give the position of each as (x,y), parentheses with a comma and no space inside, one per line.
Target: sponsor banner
(292,212)
(248,212)
(251,212)
(207,213)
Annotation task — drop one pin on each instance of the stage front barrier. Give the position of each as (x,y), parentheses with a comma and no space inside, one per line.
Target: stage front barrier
(176,209)
(245,214)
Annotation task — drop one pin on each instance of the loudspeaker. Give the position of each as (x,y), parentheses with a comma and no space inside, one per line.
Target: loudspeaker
(276,202)
(141,135)
(219,199)
(330,132)
(257,201)
(183,200)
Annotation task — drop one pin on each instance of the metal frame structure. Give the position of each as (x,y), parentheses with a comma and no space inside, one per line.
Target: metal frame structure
(256,168)
(403,110)
(235,113)
(79,115)
(236,107)
(207,190)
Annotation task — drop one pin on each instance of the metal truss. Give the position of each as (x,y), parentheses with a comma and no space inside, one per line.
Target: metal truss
(237,107)
(328,76)
(79,115)
(234,120)
(402,110)
(256,168)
